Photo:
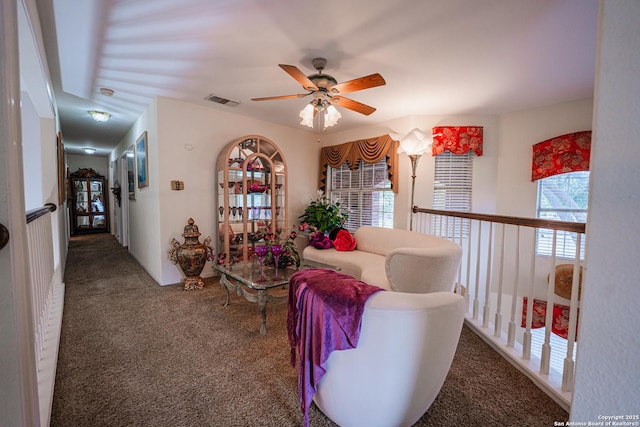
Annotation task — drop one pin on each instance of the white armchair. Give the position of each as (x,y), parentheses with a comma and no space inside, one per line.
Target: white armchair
(407,343)
(423,270)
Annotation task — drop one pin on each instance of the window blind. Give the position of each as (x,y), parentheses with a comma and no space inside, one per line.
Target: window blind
(562,197)
(365,192)
(453,182)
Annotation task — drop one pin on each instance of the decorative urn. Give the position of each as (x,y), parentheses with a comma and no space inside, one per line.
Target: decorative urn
(192,255)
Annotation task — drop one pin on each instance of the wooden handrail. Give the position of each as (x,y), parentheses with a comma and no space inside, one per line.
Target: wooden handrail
(575,227)
(36,213)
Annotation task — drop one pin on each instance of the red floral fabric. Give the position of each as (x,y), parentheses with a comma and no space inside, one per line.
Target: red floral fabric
(565,153)
(560,322)
(344,241)
(457,139)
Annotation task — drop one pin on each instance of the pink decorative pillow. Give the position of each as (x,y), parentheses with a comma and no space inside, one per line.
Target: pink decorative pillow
(344,241)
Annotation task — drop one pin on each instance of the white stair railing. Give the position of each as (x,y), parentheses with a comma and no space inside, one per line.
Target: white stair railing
(47,298)
(497,248)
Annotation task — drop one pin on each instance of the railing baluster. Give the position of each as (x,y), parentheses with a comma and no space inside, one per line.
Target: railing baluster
(487,286)
(527,338)
(546,347)
(459,283)
(446,227)
(498,318)
(446,224)
(511,335)
(469,235)
(476,302)
(567,372)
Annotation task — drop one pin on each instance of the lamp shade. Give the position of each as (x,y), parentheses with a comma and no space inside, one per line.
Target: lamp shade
(307,115)
(331,116)
(415,142)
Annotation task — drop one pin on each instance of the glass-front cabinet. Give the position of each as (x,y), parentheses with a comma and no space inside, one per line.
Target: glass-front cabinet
(251,186)
(89,210)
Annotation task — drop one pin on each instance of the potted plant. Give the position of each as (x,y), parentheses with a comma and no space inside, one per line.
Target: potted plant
(323,215)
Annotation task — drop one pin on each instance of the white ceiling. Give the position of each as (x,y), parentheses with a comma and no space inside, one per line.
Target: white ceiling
(440,57)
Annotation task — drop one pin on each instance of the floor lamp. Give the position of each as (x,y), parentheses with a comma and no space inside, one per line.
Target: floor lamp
(414,144)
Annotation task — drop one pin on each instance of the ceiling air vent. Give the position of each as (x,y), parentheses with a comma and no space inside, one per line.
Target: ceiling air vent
(222,101)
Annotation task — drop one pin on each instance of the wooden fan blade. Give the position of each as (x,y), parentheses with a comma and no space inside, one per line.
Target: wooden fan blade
(294,72)
(352,105)
(272,98)
(365,82)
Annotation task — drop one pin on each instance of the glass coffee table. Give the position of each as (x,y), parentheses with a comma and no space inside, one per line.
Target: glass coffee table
(243,278)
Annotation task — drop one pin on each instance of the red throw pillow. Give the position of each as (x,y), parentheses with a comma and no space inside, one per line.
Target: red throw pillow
(344,241)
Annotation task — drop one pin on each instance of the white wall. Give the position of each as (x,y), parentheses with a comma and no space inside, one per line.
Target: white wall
(39,155)
(208,131)
(159,214)
(31,145)
(100,164)
(516,195)
(518,132)
(144,211)
(607,373)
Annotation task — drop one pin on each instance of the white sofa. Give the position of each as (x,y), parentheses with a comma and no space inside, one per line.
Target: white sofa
(406,346)
(397,260)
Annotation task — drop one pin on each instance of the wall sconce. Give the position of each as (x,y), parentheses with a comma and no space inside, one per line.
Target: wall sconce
(177,185)
(414,144)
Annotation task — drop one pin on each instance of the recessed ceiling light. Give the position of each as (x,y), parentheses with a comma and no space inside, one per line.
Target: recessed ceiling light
(106,91)
(89,150)
(99,116)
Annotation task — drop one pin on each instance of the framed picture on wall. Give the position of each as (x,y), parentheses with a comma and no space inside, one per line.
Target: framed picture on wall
(142,160)
(131,172)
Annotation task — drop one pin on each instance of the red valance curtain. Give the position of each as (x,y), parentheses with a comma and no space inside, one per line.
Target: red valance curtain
(370,150)
(565,153)
(457,139)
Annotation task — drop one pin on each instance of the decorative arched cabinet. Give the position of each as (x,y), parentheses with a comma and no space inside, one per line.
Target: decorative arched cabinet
(251,186)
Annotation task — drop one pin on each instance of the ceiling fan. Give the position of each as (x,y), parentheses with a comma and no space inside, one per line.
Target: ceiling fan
(326,90)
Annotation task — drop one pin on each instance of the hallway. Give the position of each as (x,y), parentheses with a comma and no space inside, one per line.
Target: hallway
(135,353)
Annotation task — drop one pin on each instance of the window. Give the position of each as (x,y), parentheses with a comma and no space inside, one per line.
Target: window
(452,189)
(563,198)
(365,192)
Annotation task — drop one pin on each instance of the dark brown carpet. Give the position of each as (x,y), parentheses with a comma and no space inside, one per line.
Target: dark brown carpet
(133,353)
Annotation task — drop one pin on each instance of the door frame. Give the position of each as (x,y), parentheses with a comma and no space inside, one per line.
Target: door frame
(19,393)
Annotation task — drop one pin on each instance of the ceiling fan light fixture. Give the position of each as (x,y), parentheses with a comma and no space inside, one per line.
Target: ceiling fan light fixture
(99,116)
(322,87)
(307,115)
(331,116)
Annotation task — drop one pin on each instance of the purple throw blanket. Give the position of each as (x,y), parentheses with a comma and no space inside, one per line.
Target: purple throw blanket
(325,314)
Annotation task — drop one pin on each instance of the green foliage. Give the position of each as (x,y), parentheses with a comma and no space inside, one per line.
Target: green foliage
(323,215)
